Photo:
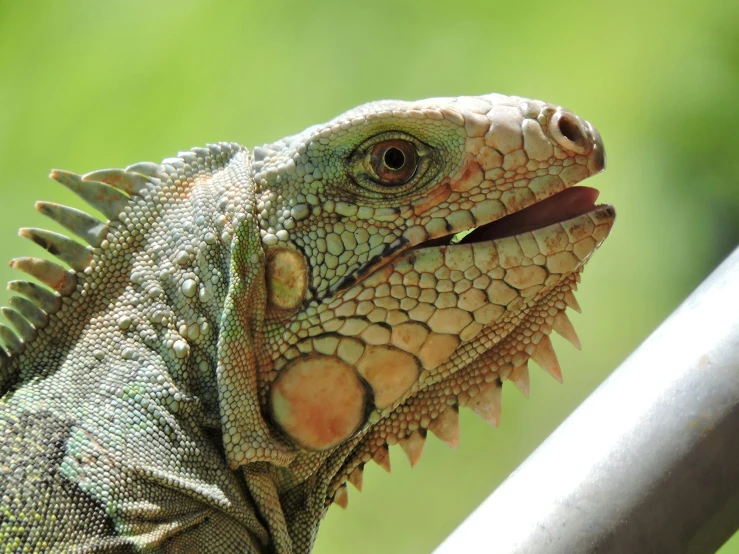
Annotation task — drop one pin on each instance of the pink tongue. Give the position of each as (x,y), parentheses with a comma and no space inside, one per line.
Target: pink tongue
(565,205)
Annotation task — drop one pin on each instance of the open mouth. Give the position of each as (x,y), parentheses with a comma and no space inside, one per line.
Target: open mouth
(569,203)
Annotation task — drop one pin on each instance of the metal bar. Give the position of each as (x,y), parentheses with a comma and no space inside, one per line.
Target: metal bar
(648,463)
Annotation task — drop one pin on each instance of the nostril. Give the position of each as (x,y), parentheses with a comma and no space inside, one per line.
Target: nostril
(570,129)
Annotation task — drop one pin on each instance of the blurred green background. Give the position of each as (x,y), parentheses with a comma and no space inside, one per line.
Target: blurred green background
(86,85)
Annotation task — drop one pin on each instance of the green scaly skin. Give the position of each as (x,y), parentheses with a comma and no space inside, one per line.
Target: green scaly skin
(250,328)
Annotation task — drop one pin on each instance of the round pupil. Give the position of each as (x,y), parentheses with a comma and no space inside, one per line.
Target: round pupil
(394,158)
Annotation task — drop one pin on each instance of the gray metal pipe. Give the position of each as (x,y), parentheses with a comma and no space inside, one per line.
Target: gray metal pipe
(648,463)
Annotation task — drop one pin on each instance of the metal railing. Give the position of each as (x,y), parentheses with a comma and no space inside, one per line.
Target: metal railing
(648,463)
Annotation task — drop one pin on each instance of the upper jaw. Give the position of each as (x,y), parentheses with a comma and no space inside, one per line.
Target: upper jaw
(563,206)
(519,153)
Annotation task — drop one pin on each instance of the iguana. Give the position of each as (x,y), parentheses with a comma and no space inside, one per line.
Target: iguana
(250,328)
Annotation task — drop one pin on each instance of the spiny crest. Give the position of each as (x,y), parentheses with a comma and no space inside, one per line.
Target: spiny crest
(486,403)
(109,191)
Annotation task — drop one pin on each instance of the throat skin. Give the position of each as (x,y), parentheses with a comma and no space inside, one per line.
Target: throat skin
(207,369)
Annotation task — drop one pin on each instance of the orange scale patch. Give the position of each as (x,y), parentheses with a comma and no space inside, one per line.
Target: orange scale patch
(389,371)
(319,401)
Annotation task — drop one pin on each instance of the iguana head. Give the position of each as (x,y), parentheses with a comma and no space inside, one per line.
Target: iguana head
(298,308)
(382,317)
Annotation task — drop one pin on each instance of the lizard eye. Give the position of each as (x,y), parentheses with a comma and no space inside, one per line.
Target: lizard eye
(392,164)
(394,161)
